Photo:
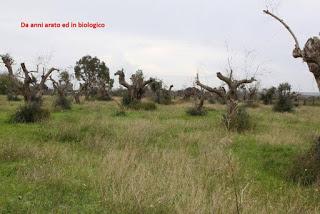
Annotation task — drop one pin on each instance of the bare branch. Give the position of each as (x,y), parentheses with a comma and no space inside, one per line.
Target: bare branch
(220,92)
(297,52)
(244,81)
(122,80)
(44,77)
(225,79)
(147,82)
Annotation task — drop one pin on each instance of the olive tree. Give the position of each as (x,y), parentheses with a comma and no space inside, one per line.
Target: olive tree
(229,96)
(95,78)
(32,89)
(63,87)
(138,85)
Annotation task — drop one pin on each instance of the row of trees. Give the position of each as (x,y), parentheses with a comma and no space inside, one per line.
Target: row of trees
(95,82)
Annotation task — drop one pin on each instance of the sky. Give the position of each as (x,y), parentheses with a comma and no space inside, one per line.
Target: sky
(168,39)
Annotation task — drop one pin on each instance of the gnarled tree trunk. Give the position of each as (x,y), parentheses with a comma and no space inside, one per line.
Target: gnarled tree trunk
(137,88)
(230,96)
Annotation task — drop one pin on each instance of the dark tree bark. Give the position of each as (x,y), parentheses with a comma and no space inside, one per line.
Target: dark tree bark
(310,54)
(137,88)
(33,91)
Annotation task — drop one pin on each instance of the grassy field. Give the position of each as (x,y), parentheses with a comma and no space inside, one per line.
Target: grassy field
(88,160)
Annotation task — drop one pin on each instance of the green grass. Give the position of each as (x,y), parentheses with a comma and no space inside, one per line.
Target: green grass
(87,160)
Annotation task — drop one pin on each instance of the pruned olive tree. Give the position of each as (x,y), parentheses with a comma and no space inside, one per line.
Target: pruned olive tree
(138,85)
(310,54)
(63,87)
(199,98)
(230,96)
(95,78)
(32,90)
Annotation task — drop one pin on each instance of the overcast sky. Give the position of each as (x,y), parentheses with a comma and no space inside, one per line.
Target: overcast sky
(168,39)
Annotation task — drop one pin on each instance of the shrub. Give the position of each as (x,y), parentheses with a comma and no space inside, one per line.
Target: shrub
(193,111)
(252,104)
(120,113)
(127,100)
(284,102)
(268,95)
(239,122)
(211,100)
(166,98)
(104,98)
(306,167)
(147,106)
(62,103)
(12,97)
(30,113)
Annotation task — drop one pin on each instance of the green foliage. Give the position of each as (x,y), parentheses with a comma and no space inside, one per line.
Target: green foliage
(193,111)
(7,87)
(147,106)
(12,97)
(306,167)
(127,99)
(240,121)
(95,77)
(166,98)
(130,103)
(267,95)
(30,113)
(284,102)
(161,94)
(120,113)
(4,82)
(62,103)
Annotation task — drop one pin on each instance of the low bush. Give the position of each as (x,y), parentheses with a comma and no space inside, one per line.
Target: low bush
(306,167)
(283,104)
(147,106)
(239,122)
(62,103)
(12,97)
(196,111)
(30,113)
(285,98)
(127,100)
(120,113)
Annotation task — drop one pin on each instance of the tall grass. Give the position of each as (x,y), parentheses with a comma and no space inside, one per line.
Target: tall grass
(163,161)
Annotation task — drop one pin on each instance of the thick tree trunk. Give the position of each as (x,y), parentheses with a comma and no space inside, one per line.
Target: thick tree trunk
(311,55)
